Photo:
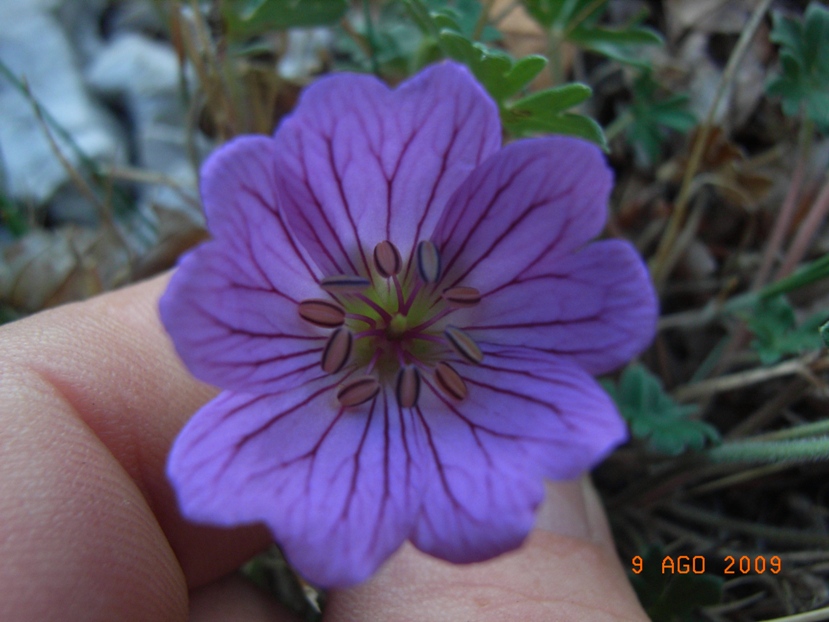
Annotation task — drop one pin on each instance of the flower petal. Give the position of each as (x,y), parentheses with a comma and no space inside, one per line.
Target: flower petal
(515,231)
(536,198)
(231,307)
(233,328)
(339,489)
(527,416)
(596,306)
(358,157)
(242,203)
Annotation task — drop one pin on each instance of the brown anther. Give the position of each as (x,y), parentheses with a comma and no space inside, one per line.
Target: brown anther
(323,313)
(358,391)
(463,344)
(387,259)
(408,387)
(462,297)
(450,382)
(428,261)
(344,284)
(337,351)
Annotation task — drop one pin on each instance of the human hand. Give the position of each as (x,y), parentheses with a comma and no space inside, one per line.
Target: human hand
(92,397)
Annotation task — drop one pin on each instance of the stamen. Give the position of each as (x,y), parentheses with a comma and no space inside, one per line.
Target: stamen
(463,344)
(322,312)
(344,284)
(408,387)
(337,351)
(428,261)
(358,391)
(387,259)
(450,381)
(462,297)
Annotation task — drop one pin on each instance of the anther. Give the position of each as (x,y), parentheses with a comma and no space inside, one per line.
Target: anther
(337,351)
(450,381)
(428,261)
(387,259)
(407,389)
(462,297)
(344,284)
(322,312)
(463,344)
(358,391)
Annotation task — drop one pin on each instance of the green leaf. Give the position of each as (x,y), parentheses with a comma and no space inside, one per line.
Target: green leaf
(653,415)
(577,21)
(824,333)
(503,77)
(668,596)
(773,323)
(558,13)
(803,83)
(13,217)
(246,18)
(652,115)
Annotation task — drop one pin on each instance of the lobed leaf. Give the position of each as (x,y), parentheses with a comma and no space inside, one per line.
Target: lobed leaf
(653,415)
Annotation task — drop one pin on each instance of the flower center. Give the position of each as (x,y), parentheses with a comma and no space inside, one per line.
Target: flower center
(392,329)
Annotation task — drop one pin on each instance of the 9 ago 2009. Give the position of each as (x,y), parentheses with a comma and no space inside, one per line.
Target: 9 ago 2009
(687,564)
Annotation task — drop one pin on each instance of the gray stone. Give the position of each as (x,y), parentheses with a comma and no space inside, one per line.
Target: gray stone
(37,51)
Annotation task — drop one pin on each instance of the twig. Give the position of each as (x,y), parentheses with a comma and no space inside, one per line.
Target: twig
(746,378)
(810,616)
(659,266)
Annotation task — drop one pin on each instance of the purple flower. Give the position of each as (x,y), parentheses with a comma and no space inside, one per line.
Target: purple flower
(404,318)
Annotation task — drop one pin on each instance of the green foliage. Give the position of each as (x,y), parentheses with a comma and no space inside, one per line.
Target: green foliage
(652,114)
(824,333)
(653,415)
(773,323)
(804,61)
(577,21)
(668,596)
(12,217)
(504,77)
(246,18)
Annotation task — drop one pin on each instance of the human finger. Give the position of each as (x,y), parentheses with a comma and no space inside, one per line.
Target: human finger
(93,396)
(566,570)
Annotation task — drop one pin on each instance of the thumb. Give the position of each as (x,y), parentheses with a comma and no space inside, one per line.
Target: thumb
(566,570)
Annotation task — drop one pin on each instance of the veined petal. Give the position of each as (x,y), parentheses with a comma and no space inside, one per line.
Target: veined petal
(233,327)
(242,203)
(231,307)
(359,163)
(596,306)
(527,416)
(338,488)
(535,199)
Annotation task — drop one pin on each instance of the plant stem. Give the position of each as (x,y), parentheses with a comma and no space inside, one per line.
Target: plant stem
(370,37)
(781,535)
(772,452)
(787,210)
(483,19)
(618,125)
(806,231)
(660,267)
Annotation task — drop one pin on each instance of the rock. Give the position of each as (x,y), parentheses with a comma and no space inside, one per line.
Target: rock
(38,51)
